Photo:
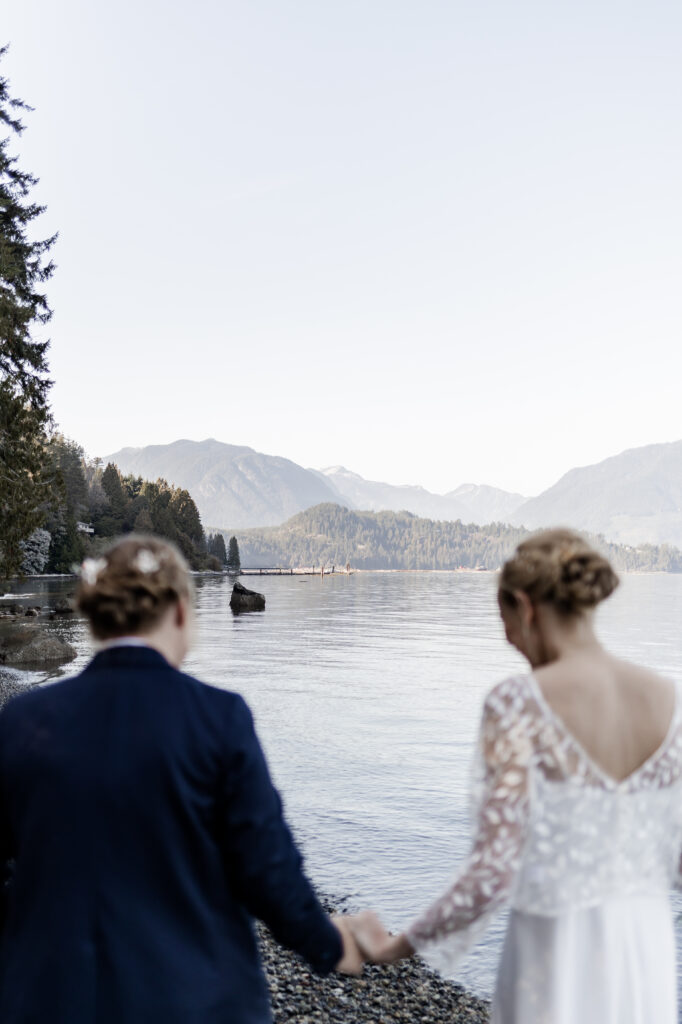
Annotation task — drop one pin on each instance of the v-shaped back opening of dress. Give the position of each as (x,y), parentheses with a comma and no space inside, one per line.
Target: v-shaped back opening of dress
(584,860)
(609,780)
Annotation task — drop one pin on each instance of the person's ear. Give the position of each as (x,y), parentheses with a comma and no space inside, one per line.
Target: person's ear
(181,613)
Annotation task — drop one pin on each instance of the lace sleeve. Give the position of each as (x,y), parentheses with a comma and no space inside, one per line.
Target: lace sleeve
(454,922)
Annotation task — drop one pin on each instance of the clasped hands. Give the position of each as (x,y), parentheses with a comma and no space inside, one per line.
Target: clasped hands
(365,940)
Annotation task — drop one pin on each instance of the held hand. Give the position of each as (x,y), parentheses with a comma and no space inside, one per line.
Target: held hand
(352,960)
(375,943)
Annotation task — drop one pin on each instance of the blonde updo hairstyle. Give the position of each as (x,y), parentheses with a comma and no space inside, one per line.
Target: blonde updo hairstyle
(557,567)
(128,589)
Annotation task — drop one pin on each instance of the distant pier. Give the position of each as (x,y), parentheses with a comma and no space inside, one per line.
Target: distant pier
(282,570)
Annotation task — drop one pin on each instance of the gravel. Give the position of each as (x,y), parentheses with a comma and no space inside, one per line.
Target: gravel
(405,992)
(9,687)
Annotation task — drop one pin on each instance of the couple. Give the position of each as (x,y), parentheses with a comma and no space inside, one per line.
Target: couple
(141,834)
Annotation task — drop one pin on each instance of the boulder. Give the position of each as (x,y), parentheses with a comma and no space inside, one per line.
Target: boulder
(28,645)
(63,607)
(243,600)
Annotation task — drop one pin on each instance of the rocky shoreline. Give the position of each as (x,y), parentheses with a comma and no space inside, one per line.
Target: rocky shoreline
(25,639)
(31,646)
(404,993)
(17,610)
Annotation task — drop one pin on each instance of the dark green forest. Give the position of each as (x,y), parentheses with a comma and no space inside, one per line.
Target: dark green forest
(87,505)
(331,535)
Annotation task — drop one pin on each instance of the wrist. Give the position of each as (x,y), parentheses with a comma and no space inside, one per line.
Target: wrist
(397,947)
(351,961)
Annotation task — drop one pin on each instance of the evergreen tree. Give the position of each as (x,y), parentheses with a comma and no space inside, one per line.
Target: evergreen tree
(143,522)
(24,384)
(24,486)
(68,547)
(67,465)
(112,505)
(186,516)
(36,550)
(68,504)
(216,547)
(113,488)
(233,560)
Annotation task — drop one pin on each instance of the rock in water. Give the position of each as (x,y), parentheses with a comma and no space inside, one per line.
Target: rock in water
(244,600)
(63,607)
(27,645)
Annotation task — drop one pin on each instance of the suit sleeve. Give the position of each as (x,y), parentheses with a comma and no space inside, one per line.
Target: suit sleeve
(6,852)
(263,862)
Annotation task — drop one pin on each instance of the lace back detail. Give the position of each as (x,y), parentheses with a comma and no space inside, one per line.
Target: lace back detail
(551,829)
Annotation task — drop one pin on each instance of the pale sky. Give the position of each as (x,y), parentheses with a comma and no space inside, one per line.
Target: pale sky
(434,242)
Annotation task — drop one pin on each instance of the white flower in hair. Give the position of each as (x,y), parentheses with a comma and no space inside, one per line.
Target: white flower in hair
(91,568)
(146,562)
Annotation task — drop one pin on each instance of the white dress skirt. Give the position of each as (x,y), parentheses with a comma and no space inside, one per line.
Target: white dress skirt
(586,861)
(609,964)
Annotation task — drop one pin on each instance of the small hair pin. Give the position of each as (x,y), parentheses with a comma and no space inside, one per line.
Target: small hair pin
(91,568)
(146,562)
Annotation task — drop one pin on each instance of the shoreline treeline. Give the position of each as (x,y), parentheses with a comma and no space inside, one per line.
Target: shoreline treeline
(89,504)
(332,535)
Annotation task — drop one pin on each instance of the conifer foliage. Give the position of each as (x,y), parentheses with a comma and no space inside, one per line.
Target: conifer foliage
(215,545)
(25,267)
(331,535)
(233,559)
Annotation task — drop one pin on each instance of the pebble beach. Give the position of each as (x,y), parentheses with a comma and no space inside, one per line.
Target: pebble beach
(9,687)
(404,993)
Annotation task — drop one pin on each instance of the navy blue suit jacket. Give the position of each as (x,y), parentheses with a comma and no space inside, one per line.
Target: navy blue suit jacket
(146,834)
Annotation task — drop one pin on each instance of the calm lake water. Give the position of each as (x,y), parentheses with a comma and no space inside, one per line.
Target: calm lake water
(367,692)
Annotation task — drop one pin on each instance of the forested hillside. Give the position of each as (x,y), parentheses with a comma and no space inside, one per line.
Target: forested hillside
(89,504)
(330,534)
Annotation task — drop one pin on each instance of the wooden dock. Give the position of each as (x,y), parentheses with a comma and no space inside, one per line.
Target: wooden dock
(281,570)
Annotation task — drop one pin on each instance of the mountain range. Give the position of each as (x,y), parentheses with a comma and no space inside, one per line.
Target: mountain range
(476,503)
(632,498)
(233,486)
(236,487)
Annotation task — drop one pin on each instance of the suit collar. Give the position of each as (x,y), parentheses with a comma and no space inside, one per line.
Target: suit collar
(129,656)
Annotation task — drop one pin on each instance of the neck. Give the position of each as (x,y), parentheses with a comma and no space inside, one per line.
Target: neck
(134,640)
(561,637)
(169,638)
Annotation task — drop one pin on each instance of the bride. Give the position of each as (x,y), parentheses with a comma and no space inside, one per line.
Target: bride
(578,814)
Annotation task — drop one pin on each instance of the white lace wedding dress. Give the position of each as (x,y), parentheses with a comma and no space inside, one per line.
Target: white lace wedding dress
(586,863)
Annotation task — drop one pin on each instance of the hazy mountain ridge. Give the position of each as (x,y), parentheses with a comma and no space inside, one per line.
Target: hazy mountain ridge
(232,485)
(631,498)
(485,504)
(469,502)
(236,487)
(331,535)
